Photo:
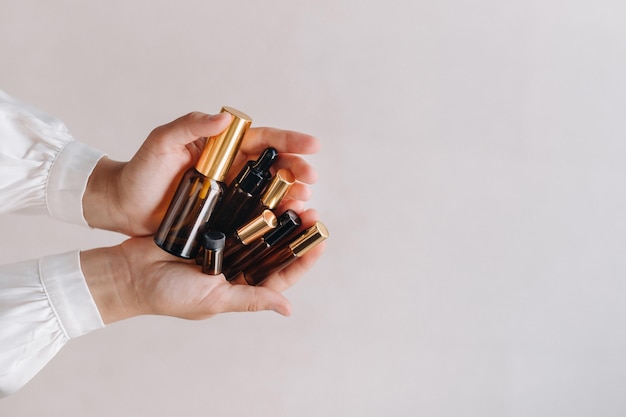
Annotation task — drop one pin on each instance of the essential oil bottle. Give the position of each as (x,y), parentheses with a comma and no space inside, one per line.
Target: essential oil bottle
(250,232)
(212,243)
(200,190)
(286,254)
(276,190)
(238,260)
(243,193)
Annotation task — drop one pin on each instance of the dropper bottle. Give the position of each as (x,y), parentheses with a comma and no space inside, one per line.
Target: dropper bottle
(243,193)
(200,190)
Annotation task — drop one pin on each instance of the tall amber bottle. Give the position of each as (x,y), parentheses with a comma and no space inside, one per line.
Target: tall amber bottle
(200,190)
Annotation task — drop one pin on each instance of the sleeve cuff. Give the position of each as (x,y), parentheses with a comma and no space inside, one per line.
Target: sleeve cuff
(69,296)
(68,181)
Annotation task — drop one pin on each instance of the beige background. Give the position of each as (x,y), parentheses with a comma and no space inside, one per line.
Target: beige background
(472,177)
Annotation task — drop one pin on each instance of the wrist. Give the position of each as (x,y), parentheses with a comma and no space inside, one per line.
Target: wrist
(108,277)
(101,197)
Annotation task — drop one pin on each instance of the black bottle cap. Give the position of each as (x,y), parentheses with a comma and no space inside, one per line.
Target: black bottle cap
(213,240)
(255,175)
(287,223)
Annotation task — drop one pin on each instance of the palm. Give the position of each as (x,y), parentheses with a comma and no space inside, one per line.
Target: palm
(184,291)
(166,285)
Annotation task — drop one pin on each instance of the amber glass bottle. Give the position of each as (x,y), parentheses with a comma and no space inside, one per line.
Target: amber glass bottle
(243,193)
(276,190)
(250,232)
(235,261)
(200,190)
(212,244)
(285,254)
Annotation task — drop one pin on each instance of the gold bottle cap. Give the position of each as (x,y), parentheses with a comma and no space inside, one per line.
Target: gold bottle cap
(220,151)
(277,189)
(257,227)
(309,239)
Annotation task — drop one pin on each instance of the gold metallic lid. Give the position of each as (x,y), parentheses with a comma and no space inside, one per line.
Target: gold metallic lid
(277,189)
(220,151)
(257,227)
(309,239)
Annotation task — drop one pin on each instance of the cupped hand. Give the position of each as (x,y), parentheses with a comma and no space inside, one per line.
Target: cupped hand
(132,197)
(137,278)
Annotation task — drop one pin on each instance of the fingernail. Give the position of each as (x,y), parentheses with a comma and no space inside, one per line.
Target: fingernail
(283,311)
(219,116)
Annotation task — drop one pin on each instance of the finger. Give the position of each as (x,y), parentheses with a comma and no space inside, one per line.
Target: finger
(296,205)
(188,128)
(299,192)
(285,141)
(298,167)
(240,298)
(301,169)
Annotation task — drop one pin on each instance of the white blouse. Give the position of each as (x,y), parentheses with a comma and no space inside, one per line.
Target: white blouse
(46,302)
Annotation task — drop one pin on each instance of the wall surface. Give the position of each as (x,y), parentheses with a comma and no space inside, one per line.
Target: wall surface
(471,174)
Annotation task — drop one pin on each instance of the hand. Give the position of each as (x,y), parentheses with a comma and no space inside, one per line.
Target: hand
(132,197)
(136,277)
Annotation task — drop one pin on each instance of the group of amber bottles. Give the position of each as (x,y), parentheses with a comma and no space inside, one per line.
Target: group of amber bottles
(234,229)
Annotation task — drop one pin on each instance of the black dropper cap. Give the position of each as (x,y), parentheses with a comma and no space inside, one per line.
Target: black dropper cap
(212,240)
(287,223)
(255,175)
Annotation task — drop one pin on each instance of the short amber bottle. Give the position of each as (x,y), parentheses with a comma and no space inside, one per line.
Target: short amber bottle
(250,232)
(286,254)
(212,250)
(236,261)
(276,190)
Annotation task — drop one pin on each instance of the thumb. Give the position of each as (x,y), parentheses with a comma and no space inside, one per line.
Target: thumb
(190,127)
(247,298)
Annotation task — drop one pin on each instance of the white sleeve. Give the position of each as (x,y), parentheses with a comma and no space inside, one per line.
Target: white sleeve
(46,302)
(43,170)
(43,304)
